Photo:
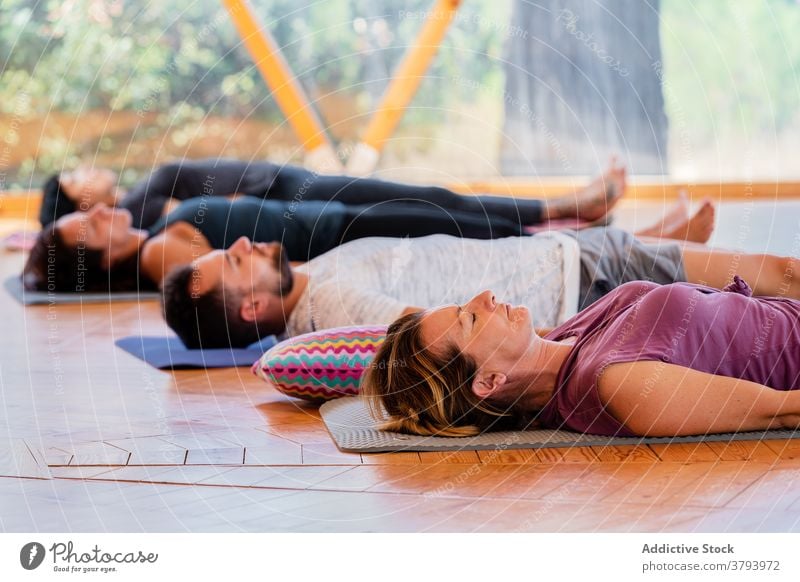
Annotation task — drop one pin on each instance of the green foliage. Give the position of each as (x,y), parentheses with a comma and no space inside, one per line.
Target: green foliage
(135,55)
(173,64)
(731,68)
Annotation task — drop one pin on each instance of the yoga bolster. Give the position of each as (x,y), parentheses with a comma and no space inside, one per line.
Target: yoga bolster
(321,365)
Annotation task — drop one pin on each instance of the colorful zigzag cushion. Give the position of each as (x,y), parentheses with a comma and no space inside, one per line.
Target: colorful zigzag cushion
(321,365)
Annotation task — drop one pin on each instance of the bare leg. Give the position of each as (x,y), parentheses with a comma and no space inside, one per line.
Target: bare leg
(677,224)
(679,212)
(593,202)
(769,275)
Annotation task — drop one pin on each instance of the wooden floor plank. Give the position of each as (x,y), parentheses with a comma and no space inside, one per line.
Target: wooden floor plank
(508,457)
(16,460)
(151,451)
(96,453)
(777,489)
(684,452)
(601,480)
(784,449)
(364,477)
(495,481)
(306,432)
(402,458)
(83,408)
(328,454)
(629,454)
(652,483)
(743,451)
(565,455)
(718,484)
(285,454)
(452,457)
(221,456)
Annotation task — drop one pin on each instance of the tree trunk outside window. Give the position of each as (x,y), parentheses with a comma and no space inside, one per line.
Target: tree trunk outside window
(583,81)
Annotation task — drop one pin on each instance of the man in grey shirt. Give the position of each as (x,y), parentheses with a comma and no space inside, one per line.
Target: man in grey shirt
(235,296)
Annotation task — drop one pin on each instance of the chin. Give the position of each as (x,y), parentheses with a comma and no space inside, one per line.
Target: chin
(522,314)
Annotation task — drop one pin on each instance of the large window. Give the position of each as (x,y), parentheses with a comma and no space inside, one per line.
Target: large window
(132,84)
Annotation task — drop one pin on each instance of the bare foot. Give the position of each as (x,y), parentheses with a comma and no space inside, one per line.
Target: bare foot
(593,202)
(677,215)
(698,228)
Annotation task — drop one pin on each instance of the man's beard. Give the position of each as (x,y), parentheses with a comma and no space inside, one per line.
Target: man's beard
(284,269)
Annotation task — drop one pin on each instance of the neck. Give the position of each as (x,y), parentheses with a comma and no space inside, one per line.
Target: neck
(538,380)
(132,246)
(289,302)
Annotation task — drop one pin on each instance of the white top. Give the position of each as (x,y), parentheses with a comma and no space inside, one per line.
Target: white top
(371,281)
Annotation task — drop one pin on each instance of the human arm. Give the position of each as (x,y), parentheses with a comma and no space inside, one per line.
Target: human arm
(155,196)
(657,399)
(178,245)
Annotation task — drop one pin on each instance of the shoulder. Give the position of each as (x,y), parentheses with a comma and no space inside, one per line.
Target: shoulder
(151,257)
(166,173)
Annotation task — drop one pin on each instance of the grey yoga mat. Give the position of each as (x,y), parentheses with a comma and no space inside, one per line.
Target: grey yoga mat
(354,431)
(14,286)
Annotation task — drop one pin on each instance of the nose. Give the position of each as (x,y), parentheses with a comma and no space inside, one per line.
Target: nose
(483,301)
(242,245)
(96,209)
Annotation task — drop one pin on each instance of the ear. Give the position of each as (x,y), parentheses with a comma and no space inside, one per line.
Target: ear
(488,384)
(254,307)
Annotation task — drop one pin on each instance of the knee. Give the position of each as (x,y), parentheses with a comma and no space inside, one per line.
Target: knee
(783,270)
(439,195)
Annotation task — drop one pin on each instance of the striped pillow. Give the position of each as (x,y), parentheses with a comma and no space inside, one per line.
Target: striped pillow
(321,365)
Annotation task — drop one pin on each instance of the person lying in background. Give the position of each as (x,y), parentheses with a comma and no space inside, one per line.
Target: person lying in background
(173,183)
(249,291)
(100,250)
(645,360)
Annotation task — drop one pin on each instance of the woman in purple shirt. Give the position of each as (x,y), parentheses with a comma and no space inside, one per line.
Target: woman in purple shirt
(646,360)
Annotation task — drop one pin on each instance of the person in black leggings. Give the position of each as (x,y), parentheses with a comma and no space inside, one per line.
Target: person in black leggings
(100,250)
(172,183)
(310,228)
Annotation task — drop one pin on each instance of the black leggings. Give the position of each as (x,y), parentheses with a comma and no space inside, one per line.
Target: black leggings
(396,220)
(293,183)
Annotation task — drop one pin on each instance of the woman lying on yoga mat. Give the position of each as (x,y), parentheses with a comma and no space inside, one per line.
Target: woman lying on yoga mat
(100,250)
(173,183)
(646,360)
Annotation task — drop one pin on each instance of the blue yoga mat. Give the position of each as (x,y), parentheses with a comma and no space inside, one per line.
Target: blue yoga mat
(169,353)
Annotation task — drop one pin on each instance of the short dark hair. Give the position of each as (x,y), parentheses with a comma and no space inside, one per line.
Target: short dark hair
(55,203)
(211,320)
(55,266)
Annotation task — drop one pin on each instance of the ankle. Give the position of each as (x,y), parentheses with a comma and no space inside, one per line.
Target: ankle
(555,208)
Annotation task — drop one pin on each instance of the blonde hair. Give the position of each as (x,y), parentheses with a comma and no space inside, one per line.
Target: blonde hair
(425,393)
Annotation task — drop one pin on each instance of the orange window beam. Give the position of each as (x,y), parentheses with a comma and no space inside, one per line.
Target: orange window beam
(285,89)
(401,89)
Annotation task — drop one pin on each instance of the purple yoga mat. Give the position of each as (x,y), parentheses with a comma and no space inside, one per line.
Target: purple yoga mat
(169,353)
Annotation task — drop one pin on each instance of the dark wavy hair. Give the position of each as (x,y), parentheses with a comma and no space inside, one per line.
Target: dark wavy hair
(56,267)
(211,320)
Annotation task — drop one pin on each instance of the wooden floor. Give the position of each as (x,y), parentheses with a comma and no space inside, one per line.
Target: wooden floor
(92,439)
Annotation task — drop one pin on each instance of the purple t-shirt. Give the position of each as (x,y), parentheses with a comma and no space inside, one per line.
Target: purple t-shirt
(728,333)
